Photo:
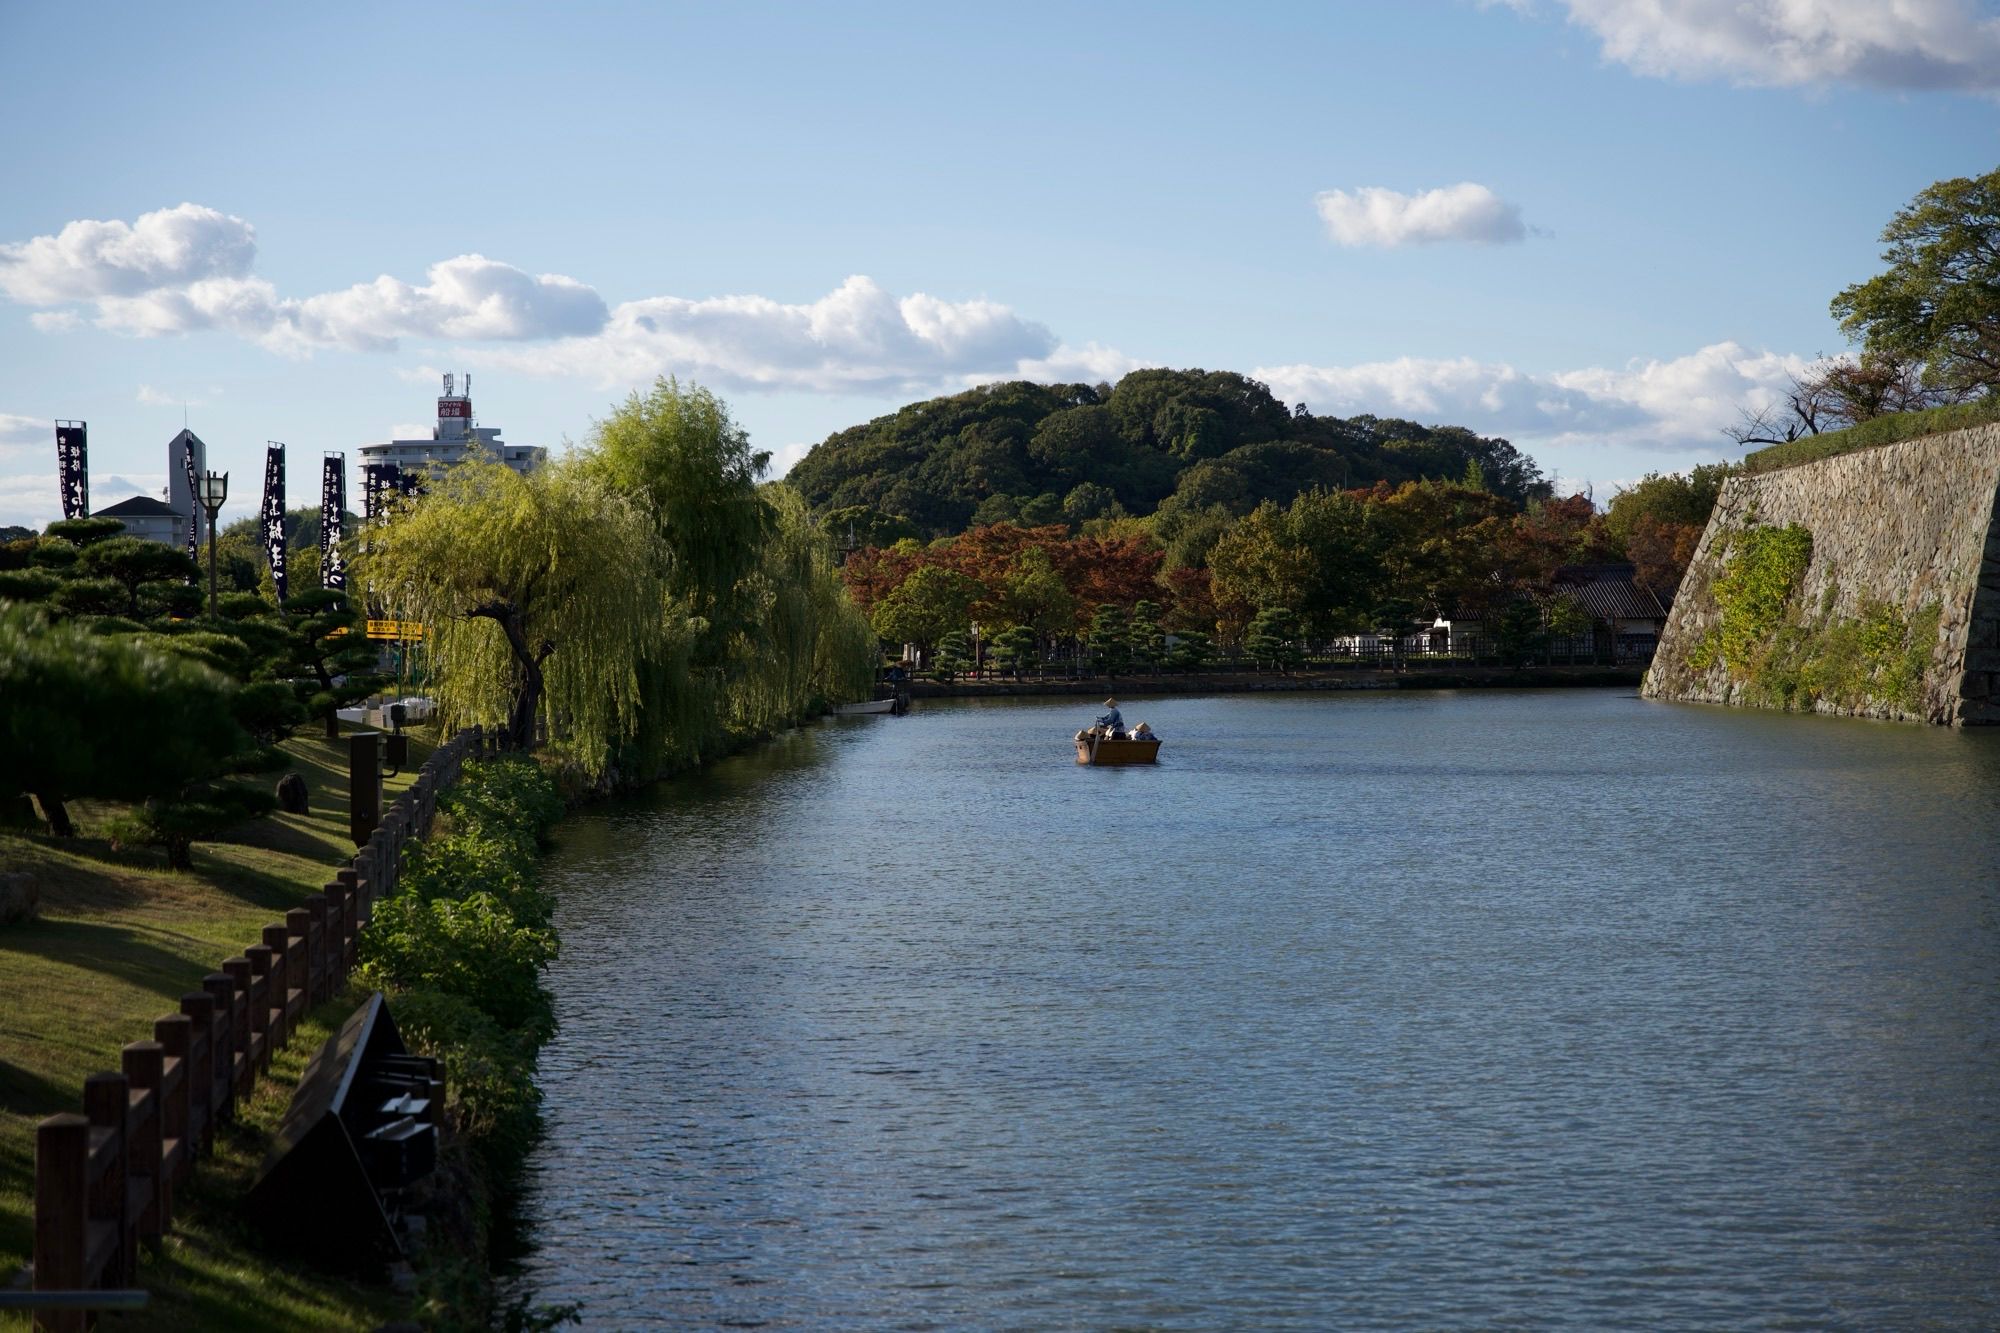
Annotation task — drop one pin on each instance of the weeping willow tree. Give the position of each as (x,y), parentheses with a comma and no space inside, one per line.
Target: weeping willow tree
(762,629)
(805,643)
(679,454)
(547,586)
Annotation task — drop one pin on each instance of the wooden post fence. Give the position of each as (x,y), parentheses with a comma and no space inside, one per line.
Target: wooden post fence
(105,1180)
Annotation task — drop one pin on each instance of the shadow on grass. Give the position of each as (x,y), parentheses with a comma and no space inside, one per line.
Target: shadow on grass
(23,1092)
(114,950)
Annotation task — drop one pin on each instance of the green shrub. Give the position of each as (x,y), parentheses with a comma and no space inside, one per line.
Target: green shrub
(28,585)
(488,1071)
(505,797)
(472,948)
(471,860)
(202,815)
(89,597)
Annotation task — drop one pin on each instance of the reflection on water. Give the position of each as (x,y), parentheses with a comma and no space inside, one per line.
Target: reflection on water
(1374,1011)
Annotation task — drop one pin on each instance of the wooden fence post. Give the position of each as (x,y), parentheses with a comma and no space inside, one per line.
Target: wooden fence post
(229,1057)
(253,1041)
(356,913)
(308,960)
(175,1033)
(145,1067)
(206,1094)
(265,1004)
(321,943)
(107,1101)
(291,997)
(62,1212)
(341,933)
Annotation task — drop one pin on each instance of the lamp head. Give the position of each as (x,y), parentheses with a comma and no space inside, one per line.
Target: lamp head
(214,489)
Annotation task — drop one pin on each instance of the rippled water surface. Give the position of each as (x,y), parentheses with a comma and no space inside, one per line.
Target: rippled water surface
(1534,1010)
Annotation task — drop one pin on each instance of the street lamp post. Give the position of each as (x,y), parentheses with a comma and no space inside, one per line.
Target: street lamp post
(214,490)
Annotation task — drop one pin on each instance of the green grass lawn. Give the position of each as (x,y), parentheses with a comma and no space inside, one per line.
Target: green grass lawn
(120,939)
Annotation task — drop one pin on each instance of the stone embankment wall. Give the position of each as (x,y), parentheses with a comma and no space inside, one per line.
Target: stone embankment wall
(1904,534)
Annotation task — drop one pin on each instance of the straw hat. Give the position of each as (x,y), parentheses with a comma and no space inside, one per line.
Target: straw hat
(1110,703)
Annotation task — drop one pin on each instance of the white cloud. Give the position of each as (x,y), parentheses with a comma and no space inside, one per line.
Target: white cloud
(152,397)
(467,297)
(29,499)
(1682,403)
(1896,44)
(111,489)
(18,433)
(858,338)
(189,269)
(1092,363)
(1373,215)
(184,269)
(173,247)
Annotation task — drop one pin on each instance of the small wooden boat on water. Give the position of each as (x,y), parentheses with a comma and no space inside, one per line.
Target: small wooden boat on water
(892,695)
(1099,750)
(866,707)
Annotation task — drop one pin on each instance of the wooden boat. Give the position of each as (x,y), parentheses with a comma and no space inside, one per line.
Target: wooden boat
(864,708)
(1101,751)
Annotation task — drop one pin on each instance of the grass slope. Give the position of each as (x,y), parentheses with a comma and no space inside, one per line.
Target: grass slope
(119,941)
(1893,429)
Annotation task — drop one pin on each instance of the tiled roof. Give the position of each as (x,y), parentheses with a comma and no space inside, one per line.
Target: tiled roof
(140,506)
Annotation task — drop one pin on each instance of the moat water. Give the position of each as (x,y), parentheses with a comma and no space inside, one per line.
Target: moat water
(1414,1011)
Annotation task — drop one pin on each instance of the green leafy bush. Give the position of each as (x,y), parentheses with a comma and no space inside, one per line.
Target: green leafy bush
(488,1071)
(473,860)
(470,947)
(201,815)
(462,948)
(503,797)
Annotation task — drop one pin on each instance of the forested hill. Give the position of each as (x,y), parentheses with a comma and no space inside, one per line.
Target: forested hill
(1187,439)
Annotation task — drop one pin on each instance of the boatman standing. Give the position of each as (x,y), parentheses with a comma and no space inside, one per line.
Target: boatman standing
(1112,720)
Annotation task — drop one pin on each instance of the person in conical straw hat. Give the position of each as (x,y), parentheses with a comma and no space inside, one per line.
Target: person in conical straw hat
(1112,719)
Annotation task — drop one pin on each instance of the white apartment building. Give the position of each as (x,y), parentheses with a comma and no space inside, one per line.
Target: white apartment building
(456,438)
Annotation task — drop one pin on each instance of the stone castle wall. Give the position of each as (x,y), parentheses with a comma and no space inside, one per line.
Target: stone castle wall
(1909,525)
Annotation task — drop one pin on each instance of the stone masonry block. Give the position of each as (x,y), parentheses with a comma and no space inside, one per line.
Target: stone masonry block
(1979,713)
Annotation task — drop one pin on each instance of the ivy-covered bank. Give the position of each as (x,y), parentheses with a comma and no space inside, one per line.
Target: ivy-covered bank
(1866,584)
(1785,655)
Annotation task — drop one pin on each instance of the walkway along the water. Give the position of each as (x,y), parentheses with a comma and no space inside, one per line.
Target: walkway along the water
(994,685)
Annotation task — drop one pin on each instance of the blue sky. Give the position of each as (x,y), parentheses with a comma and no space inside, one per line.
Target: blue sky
(1596,227)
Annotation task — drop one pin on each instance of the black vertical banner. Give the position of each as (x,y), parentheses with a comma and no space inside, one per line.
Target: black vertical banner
(194,496)
(274,514)
(73,468)
(332,514)
(381,483)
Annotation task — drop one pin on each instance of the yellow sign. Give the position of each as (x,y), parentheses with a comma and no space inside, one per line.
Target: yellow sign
(396,631)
